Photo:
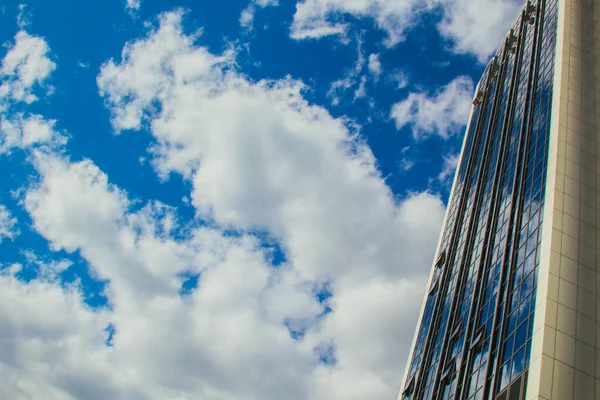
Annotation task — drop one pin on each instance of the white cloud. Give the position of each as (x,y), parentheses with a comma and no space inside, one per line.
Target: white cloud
(400,78)
(247,15)
(24,16)
(338,88)
(450,164)
(367,334)
(353,79)
(133,5)
(375,66)
(8,224)
(473,26)
(406,164)
(259,158)
(198,348)
(48,269)
(443,113)
(49,339)
(407,160)
(318,18)
(203,97)
(316,29)
(266,3)
(196,338)
(25,65)
(361,90)
(476,26)
(25,132)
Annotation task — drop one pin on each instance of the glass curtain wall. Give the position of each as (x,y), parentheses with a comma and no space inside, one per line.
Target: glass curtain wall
(475,335)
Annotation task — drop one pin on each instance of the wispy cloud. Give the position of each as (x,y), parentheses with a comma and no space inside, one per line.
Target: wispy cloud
(354,82)
(375,66)
(247,15)
(400,78)
(408,158)
(449,167)
(471,26)
(24,16)
(132,7)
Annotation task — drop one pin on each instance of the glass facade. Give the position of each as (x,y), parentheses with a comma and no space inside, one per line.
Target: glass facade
(475,335)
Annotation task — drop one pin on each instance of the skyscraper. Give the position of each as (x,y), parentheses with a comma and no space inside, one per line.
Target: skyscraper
(512,308)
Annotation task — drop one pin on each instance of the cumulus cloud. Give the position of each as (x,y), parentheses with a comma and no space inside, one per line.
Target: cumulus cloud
(51,345)
(198,348)
(265,166)
(8,224)
(28,131)
(196,341)
(25,65)
(472,26)
(442,113)
(192,130)
(259,157)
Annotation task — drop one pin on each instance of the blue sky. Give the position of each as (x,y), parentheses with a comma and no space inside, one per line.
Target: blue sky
(226,200)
